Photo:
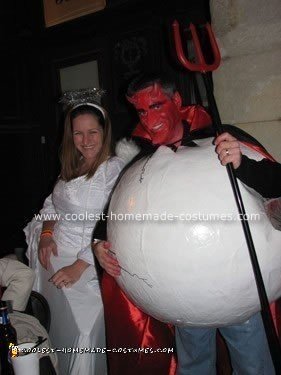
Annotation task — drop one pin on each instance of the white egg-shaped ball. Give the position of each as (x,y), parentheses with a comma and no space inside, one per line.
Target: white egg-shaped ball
(174,227)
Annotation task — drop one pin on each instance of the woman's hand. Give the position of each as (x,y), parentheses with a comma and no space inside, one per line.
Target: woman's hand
(106,260)
(67,276)
(47,246)
(228,149)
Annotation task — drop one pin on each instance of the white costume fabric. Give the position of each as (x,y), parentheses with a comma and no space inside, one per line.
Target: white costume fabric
(76,312)
(181,246)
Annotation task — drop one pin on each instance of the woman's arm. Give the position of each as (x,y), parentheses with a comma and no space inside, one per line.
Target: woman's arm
(101,247)
(47,245)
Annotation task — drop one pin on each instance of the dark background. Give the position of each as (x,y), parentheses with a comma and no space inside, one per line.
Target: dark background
(127,37)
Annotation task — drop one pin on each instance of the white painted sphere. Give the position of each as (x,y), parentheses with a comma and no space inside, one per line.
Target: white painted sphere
(193,270)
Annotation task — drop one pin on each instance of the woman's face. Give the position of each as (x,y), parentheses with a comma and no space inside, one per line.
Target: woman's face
(87,136)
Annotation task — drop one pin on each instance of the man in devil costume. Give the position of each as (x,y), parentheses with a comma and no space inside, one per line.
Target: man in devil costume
(163,121)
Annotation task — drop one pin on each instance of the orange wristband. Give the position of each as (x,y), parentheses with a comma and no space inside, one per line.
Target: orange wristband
(46,233)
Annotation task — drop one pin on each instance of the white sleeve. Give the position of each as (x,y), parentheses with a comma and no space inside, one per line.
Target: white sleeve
(112,171)
(86,254)
(48,210)
(34,227)
(114,167)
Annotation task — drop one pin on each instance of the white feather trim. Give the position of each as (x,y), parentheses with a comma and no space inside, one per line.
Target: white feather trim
(126,149)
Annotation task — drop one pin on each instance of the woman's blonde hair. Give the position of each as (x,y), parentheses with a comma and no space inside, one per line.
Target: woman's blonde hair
(70,157)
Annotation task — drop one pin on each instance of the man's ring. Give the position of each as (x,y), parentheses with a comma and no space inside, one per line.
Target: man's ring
(227,152)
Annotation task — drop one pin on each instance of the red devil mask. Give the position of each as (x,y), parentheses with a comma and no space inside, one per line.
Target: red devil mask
(159,114)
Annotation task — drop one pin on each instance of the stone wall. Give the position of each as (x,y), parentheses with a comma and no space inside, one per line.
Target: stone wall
(248,82)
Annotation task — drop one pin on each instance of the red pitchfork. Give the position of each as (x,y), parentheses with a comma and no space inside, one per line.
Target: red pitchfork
(204,68)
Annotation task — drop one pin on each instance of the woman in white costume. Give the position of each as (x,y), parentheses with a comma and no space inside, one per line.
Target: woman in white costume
(88,173)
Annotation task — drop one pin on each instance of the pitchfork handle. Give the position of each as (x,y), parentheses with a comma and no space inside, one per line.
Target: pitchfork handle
(271,334)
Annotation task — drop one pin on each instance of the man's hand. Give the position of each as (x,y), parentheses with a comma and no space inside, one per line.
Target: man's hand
(47,246)
(67,276)
(228,150)
(106,260)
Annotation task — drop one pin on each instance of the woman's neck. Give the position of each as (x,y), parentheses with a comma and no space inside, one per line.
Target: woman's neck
(85,166)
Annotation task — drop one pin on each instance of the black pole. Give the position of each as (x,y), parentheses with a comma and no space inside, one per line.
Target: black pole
(272,338)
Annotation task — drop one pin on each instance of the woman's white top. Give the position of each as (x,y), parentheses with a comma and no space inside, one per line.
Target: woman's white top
(76,206)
